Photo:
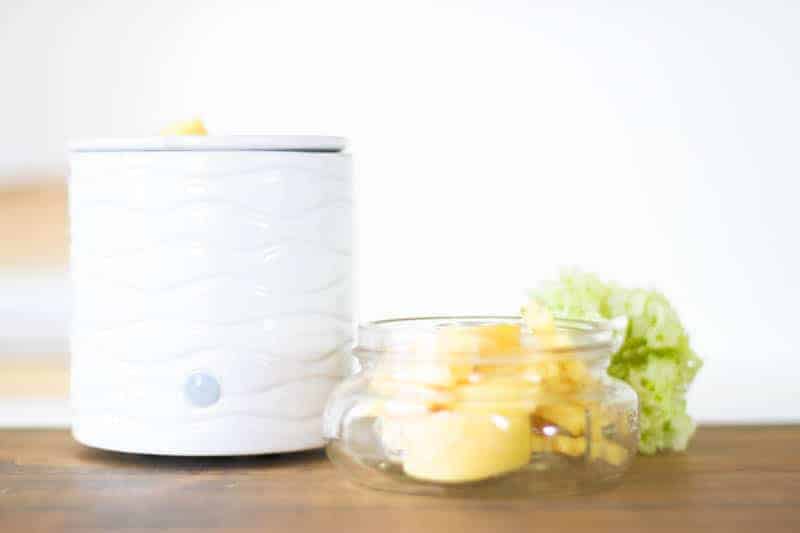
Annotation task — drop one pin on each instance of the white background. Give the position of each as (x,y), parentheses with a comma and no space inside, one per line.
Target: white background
(656,143)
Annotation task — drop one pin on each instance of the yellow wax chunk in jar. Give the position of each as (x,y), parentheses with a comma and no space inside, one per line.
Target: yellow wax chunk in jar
(574,417)
(568,416)
(501,392)
(461,417)
(449,357)
(478,342)
(565,444)
(600,448)
(574,370)
(458,446)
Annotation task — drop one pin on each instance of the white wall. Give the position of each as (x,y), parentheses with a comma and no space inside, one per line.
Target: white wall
(653,142)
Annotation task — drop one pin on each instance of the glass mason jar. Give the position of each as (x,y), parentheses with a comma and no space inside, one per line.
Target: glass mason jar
(480,406)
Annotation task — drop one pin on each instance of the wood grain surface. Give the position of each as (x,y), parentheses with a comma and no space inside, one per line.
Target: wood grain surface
(39,376)
(33,226)
(732,479)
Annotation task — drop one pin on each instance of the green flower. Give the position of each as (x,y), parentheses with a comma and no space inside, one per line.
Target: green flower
(655,358)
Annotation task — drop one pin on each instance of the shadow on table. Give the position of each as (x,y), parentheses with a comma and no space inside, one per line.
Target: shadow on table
(93,457)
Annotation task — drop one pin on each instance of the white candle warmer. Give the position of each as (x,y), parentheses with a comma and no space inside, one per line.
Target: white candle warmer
(213,296)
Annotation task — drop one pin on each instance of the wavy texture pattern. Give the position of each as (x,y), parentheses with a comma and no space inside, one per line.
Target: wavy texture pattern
(237,264)
(223,227)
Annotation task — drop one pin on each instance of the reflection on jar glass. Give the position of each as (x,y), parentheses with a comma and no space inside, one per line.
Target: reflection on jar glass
(481,406)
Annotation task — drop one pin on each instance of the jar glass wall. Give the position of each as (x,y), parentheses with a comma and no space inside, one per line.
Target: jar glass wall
(480,405)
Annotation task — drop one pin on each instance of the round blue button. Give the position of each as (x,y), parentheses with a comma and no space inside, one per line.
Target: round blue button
(201,390)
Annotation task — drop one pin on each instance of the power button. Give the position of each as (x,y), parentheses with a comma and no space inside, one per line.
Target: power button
(201,390)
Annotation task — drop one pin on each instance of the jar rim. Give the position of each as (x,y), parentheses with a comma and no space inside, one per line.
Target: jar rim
(401,336)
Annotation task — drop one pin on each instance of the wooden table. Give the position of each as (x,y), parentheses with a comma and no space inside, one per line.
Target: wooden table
(732,479)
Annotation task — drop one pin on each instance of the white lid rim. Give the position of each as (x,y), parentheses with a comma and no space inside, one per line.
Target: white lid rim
(203,143)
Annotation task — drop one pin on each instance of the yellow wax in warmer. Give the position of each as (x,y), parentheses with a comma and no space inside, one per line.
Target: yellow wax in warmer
(187,127)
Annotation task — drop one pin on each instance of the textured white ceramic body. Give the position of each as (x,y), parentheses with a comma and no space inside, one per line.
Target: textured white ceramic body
(213,298)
